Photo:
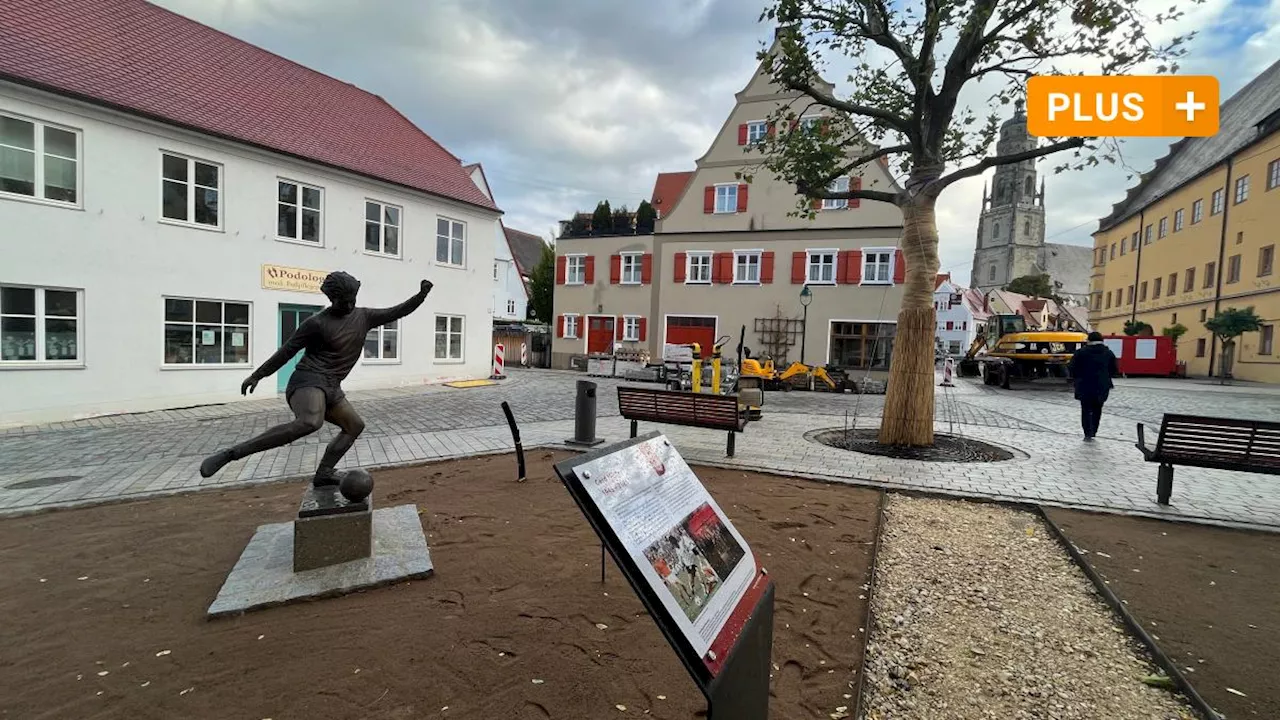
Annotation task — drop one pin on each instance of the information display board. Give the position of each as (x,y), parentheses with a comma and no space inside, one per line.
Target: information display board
(690,566)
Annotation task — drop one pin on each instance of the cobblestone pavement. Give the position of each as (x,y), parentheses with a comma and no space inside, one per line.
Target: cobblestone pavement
(130,456)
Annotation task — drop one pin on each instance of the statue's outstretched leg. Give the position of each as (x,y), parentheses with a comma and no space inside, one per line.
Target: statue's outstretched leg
(308,405)
(349,421)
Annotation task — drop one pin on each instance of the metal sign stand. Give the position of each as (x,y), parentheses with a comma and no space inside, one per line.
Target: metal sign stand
(740,690)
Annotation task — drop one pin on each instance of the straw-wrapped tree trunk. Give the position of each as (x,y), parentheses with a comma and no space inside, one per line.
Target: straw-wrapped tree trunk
(904,110)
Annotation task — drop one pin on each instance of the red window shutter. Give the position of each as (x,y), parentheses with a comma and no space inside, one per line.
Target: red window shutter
(842,267)
(742,134)
(773,129)
(722,268)
(742,198)
(681,264)
(618,324)
(560,326)
(950,325)
(899,268)
(855,184)
(709,199)
(562,267)
(799,267)
(816,204)
(615,269)
(646,268)
(589,270)
(766,267)
(644,329)
(855,267)
(795,124)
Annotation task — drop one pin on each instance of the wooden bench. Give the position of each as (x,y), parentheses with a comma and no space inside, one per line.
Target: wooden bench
(1211,442)
(673,407)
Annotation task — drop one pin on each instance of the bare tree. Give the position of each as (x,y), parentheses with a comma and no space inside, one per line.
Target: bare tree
(906,114)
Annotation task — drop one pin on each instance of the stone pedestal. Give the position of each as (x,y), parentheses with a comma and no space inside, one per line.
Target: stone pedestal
(265,576)
(331,529)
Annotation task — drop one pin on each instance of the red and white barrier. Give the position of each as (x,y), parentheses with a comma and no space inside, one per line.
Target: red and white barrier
(499,362)
(524,354)
(947,368)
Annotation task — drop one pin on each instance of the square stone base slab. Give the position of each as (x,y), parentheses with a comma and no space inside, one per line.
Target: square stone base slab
(264,574)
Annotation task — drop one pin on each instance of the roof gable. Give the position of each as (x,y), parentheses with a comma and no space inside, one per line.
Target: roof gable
(143,59)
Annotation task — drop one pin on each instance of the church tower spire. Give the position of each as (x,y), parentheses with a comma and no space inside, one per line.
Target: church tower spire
(1011,223)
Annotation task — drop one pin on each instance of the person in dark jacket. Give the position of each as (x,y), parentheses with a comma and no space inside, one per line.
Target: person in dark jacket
(1092,368)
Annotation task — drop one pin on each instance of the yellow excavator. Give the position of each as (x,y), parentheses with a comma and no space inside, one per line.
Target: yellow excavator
(762,373)
(1015,353)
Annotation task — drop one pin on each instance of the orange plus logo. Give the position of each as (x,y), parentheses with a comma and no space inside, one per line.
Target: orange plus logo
(1122,105)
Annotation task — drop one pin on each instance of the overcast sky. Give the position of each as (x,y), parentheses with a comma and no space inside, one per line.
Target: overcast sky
(567,102)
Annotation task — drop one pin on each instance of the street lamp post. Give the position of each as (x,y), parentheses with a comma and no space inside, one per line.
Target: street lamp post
(806,297)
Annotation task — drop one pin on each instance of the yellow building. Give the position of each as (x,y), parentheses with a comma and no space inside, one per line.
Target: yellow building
(1198,234)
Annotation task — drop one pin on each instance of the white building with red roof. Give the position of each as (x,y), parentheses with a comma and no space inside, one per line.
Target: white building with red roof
(961,315)
(171,197)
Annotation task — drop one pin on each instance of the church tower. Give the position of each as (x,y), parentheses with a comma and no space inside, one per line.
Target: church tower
(1011,226)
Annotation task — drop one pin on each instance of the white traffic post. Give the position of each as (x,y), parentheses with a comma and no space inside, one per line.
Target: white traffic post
(524,354)
(498,362)
(947,366)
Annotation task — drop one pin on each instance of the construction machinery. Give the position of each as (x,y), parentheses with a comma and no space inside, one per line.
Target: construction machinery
(1009,351)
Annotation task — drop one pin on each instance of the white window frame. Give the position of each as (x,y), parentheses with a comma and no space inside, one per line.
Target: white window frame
(580,260)
(689,266)
(1216,201)
(190,222)
(449,332)
(511,307)
(1242,190)
(300,209)
(1163,231)
(193,365)
(1197,211)
(38,190)
(810,265)
(1273,174)
(741,255)
(381,332)
(757,131)
(808,122)
(867,253)
(728,192)
(631,328)
(1179,219)
(572,325)
(840,184)
(453,225)
(382,229)
(630,268)
(41,347)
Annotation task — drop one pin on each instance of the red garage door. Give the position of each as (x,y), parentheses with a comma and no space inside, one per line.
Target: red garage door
(684,329)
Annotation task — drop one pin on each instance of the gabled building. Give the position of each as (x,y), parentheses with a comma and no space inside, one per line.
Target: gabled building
(510,296)
(1197,235)
(171,198)
(526,251)
(961,315)
(725,255)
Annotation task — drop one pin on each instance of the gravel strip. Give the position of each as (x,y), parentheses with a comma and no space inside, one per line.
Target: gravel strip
(980,614)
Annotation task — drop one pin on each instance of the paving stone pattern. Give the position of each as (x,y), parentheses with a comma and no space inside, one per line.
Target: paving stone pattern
(158,453)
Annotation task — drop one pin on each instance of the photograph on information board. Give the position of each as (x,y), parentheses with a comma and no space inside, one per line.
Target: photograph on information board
(688,551)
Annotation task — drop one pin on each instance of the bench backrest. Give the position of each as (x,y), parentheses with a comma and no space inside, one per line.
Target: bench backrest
(1226,441)
(674,406)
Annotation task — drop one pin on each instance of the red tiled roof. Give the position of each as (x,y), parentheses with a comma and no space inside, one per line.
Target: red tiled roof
(941,278)
(141,58)
(667,189)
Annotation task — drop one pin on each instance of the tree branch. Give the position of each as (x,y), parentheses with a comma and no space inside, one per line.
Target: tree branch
(869,157)
(877,195)
(901,124)
(941,183)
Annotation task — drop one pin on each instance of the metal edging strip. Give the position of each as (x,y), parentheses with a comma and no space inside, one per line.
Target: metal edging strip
(1164,661)
(869,619)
